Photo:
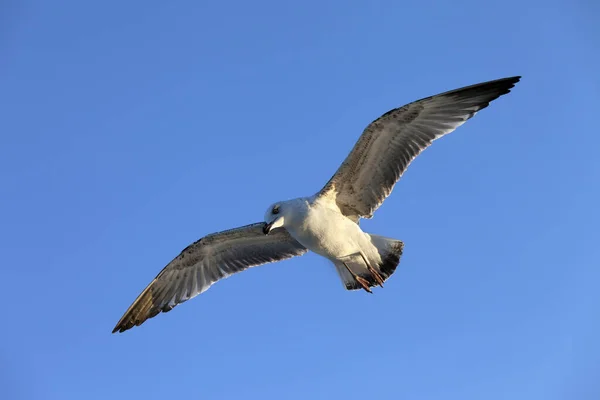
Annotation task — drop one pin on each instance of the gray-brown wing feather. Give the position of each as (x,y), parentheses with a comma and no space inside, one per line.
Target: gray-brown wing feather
(206,261)
(390,143)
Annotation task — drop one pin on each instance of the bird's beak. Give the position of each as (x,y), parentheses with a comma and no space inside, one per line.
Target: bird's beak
(269,226)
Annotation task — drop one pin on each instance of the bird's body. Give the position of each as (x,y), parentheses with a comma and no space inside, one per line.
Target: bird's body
(323,229)
(318,225)
(327,222)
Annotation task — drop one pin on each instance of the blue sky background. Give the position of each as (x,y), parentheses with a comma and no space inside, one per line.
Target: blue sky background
(131,129)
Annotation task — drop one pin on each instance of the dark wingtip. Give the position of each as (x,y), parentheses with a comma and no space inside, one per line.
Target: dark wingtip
(120,328)
(484,92)
(511,81)
(515,78)
(125,326)
(503,85)
(124,323)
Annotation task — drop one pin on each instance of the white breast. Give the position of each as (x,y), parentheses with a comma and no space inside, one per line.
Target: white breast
(327,232)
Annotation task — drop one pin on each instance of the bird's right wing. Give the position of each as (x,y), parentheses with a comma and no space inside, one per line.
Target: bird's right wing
(214,257)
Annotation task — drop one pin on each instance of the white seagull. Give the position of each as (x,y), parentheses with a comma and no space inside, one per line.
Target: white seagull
(326,222)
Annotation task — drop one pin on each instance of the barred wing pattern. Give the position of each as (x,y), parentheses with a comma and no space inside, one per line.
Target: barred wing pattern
(389,144)
(198,266)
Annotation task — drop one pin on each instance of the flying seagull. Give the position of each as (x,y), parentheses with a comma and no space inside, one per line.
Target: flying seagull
(327,222)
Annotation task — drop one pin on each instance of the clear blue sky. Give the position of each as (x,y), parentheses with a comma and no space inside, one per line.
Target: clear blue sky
(131,129)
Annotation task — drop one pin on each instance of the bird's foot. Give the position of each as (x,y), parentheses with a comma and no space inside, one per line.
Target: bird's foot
(375,275)
(373,271)
(363,282)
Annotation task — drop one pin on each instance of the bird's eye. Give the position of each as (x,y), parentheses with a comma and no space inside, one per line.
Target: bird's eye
(276,210)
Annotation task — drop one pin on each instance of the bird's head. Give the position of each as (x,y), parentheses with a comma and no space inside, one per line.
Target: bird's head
(275,216)
(282,214)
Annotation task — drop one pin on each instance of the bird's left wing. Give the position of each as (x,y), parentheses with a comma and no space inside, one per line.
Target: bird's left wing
(389,144)
(214,257)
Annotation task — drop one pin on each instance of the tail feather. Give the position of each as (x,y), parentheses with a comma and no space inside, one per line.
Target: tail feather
(390,251)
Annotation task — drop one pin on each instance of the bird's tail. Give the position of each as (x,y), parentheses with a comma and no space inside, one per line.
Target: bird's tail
(390,251)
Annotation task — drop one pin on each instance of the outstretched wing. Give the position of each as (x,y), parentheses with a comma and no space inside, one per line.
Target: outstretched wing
(389,144)
(204,262)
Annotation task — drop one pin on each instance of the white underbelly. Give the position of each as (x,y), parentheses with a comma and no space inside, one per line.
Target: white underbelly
(329,234)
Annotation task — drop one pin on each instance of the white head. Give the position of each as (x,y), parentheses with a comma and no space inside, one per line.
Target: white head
(279,214)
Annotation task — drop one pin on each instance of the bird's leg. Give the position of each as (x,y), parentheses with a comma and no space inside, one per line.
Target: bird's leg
(372,270)
(361,281)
